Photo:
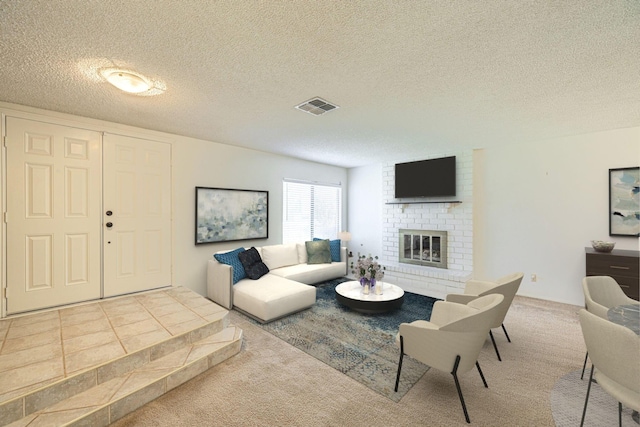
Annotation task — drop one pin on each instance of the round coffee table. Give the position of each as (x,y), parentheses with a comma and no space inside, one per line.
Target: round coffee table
(351,295)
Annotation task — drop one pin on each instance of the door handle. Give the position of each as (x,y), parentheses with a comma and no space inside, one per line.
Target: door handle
(109,224)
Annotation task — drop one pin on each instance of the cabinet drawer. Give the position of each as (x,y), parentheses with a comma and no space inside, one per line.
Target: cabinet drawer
(606,265)
(629,285)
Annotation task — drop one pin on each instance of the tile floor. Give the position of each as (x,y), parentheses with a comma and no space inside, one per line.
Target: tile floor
(42,348)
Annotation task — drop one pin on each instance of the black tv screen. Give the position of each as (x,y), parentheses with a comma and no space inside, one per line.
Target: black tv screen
(426,178)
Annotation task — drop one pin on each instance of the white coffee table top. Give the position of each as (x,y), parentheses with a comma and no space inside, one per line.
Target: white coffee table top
(353,290)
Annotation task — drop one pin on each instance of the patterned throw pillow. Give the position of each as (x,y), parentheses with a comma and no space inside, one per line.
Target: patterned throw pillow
(334,248)
(231,258)
(318,252)
(252,263)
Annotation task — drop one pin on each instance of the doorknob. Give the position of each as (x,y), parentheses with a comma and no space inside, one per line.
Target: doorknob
(109,224)
(109,213)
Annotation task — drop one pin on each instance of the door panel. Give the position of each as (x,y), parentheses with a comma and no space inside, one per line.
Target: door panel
(137,192)
(53,215)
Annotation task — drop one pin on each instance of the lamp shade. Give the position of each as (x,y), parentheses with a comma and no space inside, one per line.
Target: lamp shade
(345,236)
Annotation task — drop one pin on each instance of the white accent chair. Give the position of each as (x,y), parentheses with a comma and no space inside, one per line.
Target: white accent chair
(452,339)
(600,294)
(614,351)
(506,286)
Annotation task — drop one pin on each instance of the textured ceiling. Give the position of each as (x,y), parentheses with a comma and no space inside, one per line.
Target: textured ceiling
(410,77)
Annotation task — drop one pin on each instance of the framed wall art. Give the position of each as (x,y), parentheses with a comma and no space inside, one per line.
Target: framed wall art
(224,215)
(624,202)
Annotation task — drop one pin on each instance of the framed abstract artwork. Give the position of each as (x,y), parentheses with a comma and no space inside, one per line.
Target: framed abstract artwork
(624,202)
(224,215)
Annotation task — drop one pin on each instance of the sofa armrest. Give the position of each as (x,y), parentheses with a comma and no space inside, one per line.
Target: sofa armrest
(343,254)
(220,284)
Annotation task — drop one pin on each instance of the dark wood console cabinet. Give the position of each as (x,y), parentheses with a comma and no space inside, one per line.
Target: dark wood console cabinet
(622,265)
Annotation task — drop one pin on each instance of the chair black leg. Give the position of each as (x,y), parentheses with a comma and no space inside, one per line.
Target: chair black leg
(620,414)
(494,345)
(455,378)
(505,332)
(584,365)
(400,362)
(584,411)
(481,376)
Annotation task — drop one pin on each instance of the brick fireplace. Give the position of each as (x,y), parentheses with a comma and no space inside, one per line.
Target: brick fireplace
(454,219)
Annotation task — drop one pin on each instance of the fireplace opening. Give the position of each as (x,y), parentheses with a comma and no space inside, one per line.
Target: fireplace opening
(423,247)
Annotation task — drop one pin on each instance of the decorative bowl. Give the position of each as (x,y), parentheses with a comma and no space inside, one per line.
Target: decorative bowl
(602,246)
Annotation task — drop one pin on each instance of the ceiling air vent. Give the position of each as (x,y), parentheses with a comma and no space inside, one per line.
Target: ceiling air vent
(316,106)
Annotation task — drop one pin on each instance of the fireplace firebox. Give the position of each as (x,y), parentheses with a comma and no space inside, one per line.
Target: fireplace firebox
(423,247)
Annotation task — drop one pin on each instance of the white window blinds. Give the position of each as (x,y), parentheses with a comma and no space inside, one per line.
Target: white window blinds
(310,210)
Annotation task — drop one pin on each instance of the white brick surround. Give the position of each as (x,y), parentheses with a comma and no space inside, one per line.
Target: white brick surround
(456,219)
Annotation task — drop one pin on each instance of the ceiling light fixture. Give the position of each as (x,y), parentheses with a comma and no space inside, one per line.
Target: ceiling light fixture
(127,81)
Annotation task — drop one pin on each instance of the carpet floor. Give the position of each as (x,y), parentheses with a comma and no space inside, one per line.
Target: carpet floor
(567,403)
(361,346)
(271,383)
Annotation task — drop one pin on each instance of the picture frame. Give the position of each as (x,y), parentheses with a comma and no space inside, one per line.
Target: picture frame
(225,215)
(624,202)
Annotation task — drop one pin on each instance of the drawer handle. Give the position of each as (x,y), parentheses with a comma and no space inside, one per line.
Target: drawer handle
(617,267)
(624,286)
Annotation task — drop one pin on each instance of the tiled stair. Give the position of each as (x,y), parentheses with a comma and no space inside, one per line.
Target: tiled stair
(105,393)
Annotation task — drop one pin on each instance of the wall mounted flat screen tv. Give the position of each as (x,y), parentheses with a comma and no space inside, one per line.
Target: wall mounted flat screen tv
(426,178)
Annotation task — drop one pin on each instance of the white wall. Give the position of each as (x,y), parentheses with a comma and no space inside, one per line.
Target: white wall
(204,164)
(365,210)
(207,164)
(536,206)
(544,202)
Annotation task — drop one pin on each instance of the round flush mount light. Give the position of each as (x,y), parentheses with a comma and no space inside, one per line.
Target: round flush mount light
(132,82)
(127,81)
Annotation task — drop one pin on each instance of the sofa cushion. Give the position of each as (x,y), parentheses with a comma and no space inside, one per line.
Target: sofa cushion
(334,249)
(252,263)
(318,252)
(272,297)
(311,273)
(276,256)
(231,258)
(302,253)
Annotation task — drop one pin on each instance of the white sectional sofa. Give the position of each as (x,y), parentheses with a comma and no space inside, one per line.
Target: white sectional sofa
(284,290)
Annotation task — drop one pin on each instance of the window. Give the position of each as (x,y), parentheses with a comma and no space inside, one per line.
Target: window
(310,210)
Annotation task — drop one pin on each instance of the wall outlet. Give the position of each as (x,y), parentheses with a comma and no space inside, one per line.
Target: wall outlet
(534,278)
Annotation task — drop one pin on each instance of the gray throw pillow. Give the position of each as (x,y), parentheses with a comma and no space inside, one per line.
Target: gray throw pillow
(318,252)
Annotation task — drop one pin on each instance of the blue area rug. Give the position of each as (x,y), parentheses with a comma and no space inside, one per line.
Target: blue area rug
(360,346)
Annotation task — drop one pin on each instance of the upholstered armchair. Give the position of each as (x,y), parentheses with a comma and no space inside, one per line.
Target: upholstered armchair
(614,351)
(452,339)
(602,293)
(506,286)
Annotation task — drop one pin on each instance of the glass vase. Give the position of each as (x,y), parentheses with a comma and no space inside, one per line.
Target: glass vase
(378,289)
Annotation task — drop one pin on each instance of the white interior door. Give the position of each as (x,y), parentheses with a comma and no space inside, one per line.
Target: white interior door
(136,214)
(54,193)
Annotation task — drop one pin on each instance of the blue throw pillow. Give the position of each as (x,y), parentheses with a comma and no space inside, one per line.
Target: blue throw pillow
(334,248)
(231,258)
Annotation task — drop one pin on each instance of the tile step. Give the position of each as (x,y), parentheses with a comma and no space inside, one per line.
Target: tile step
(116,397)
(33,400)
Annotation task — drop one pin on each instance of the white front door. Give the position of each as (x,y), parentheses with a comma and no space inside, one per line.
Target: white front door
(136,214)
(54,193)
